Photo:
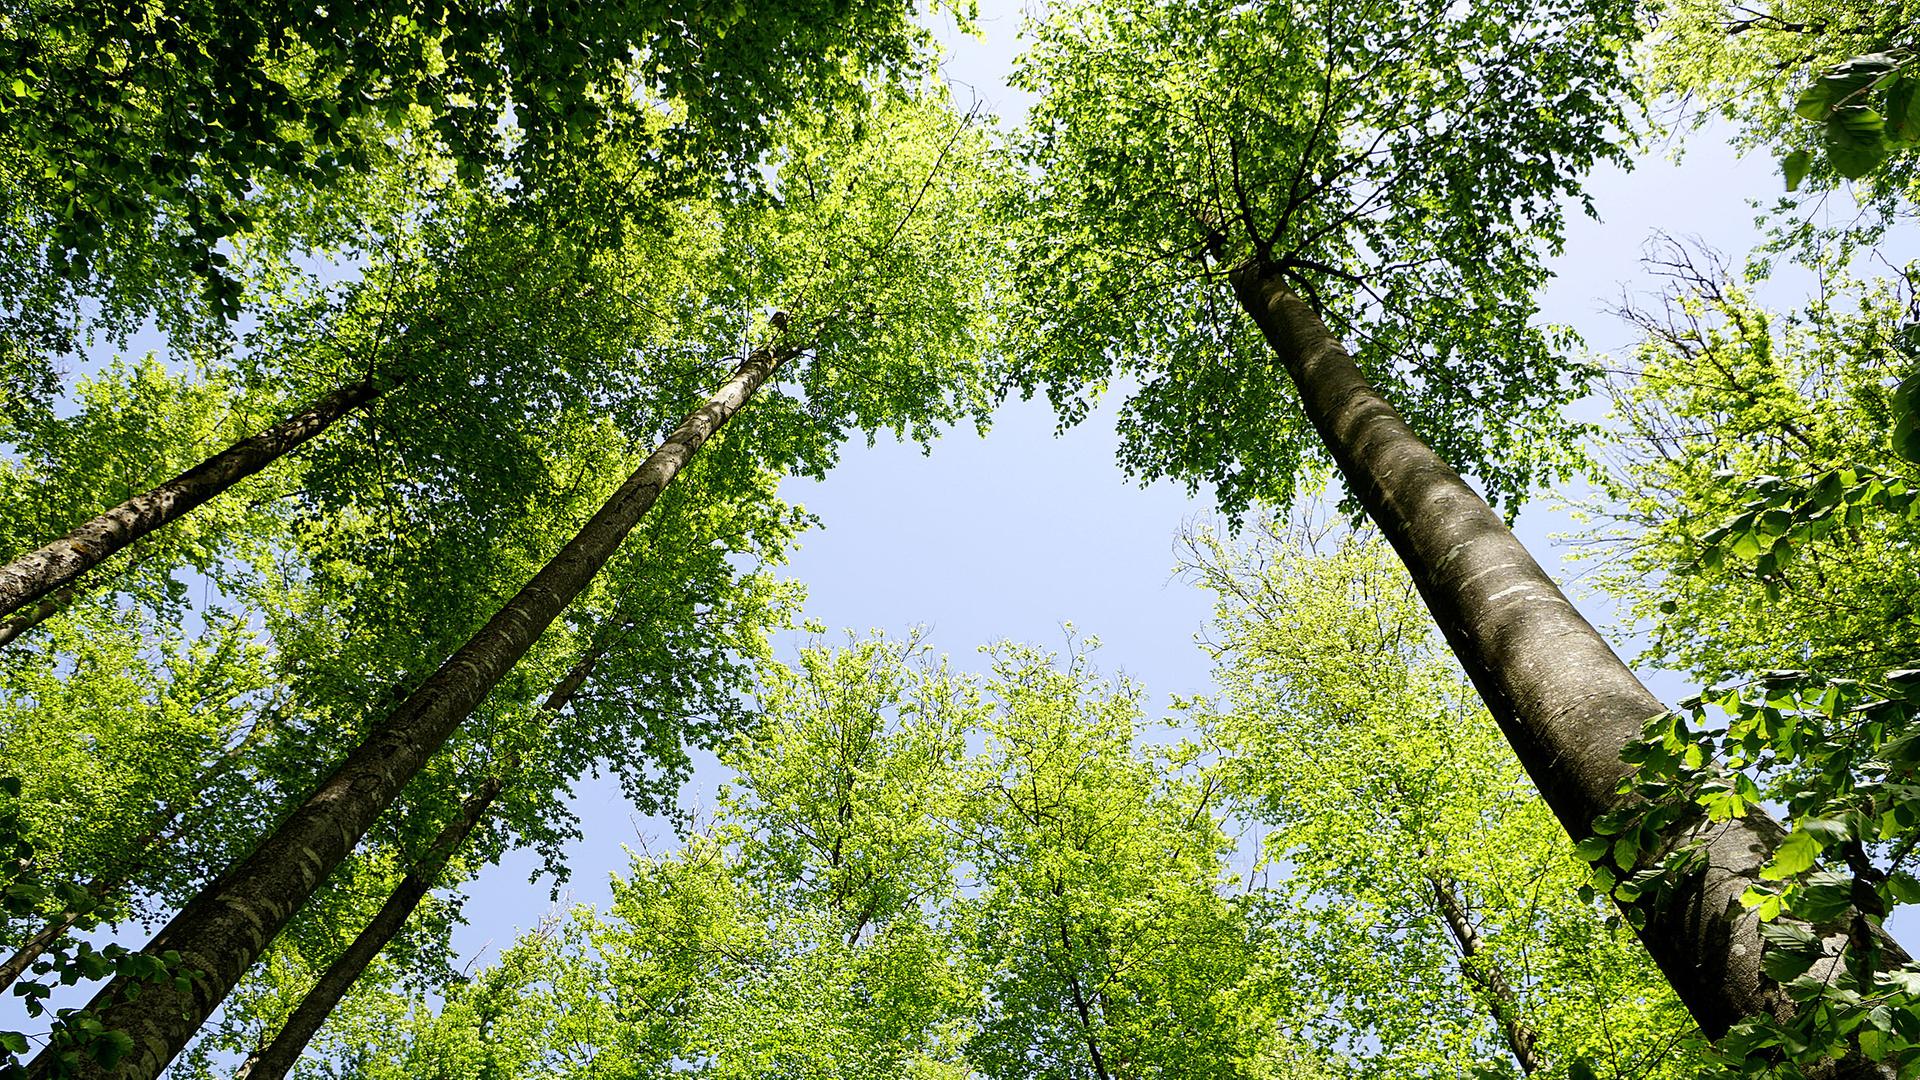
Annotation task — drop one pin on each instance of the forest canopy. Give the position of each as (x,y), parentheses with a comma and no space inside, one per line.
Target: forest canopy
(406,412)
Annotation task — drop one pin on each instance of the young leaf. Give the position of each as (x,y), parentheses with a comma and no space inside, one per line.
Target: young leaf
(1795,166)
(1795,855)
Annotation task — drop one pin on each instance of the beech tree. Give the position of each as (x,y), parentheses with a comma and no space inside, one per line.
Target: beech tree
(1222,180)
(906,199)
(1441,914)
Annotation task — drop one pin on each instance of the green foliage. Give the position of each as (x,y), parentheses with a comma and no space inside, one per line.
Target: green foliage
(26,888)
(1107,943)
(1906,406)
(1785,519)
(1409,196)
(155,126)
(528,373)
(1762,505)
(1435,914)
(1826,85)
(1841,758)
(1859,137)
(919,873)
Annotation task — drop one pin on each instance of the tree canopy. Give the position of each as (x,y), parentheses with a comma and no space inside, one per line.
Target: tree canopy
(485,341)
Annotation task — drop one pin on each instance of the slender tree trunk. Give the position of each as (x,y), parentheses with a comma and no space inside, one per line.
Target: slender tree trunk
(1566,703)
(161,828)
(223,930)
(1098,1060)
(59,564)
(1501,1000)
(277,1059)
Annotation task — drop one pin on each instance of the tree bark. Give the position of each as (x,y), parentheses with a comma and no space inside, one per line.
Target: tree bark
(1566,703)
(59,564)
(40,612)
(1502,1002)
(223,930)
(277,1058)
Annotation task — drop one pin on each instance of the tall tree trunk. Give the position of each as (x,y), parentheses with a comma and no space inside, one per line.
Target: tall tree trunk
(161,828)
(59,564)
(1502,1002)
(277,1058)
(1566,703)
(223,930)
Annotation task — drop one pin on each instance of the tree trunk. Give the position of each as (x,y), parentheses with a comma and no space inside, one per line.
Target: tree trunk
(60,563)
(1501,1000)
(38,613)
(278,1057)
(1566,703)
(224,929)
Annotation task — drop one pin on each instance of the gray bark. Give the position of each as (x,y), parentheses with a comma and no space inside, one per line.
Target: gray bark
(223,930)
(277,1058)
(60,564)
(46,608)
(1502,1002)
(1565,701)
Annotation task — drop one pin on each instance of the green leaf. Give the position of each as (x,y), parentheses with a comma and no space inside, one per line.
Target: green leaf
(1765,904)
(1789,935)
(1906,418)
(1626,850)
(110,1047)
(1874,1044)
(1794,856)
(1593,848)
(1814,101)
(1612,822)
(1856,141)
(1903,110)
(1786,965)
(1795,166)
(1827,896)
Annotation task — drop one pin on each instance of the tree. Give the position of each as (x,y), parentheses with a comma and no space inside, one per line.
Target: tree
(668,636)
(1344,152)
(1108,947)
(924,156)
(1438,912)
